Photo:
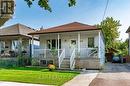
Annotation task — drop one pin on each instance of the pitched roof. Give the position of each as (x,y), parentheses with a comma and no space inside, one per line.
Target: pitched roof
(17,29)
(71,27)
(128,30)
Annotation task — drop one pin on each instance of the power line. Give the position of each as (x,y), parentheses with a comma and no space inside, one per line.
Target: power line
(105,10)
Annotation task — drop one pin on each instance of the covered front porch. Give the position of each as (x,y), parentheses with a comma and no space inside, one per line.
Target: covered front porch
(69,47)
(13,46)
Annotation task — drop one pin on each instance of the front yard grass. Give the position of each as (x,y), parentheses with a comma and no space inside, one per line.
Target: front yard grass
(36,76)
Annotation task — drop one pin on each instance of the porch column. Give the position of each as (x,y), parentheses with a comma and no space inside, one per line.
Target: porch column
(78,42)
(58,49)
(58,45)
(32,46)
(99,38)
(20,45)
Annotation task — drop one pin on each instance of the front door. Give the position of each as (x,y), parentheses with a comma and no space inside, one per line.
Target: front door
(73,44)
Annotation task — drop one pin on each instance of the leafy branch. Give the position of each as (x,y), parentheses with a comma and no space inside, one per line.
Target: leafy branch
(45,4)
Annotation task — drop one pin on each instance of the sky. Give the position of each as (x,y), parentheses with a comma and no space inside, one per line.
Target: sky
(86,11)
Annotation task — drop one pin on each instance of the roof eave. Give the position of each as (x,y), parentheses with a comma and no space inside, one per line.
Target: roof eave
(37,33)
(19,35)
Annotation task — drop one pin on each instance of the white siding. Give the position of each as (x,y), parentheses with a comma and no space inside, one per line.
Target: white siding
(102,49)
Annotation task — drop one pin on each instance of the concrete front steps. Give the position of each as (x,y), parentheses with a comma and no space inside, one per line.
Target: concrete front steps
(65,63)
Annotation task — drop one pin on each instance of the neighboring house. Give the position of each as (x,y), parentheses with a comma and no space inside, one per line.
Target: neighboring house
(128,31)
(14,40)
(6,10)
(76,45)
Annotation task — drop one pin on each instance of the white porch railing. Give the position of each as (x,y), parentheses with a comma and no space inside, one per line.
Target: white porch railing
(86,52)
(72,59)
(41,53)
(61,57)
(46,53)
(50,53)
(93,52)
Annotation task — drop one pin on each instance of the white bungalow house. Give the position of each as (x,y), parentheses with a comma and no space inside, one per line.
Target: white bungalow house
(73,45)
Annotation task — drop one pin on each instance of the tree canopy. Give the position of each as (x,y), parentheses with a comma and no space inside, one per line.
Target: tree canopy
(45,4)
(110,28)
(122,47)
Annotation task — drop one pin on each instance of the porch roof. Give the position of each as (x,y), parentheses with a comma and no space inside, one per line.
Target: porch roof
(71,27)
(16,30)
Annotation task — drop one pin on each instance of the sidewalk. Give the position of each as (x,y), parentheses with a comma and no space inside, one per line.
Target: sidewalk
(2,83)
(84,79)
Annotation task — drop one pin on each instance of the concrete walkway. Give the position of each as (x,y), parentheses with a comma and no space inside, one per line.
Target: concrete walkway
(2,83)
(84,79)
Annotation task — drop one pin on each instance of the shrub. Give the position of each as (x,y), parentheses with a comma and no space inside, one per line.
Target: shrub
(51,67)
(8,63)
(35,62)
(24,61)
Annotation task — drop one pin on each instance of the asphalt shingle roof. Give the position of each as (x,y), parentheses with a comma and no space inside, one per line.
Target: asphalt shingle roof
(71,27)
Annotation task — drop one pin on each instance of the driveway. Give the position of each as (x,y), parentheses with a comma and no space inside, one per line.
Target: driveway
(83,79)
(113,75)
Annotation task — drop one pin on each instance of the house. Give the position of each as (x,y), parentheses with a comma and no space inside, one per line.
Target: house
(7,10)
(14,40)
(73,45)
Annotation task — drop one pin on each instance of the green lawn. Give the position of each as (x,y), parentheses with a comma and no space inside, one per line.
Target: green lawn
(36,76)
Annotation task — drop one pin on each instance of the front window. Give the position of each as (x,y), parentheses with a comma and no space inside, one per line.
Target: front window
(49,44)
(53,44)
(2,43)
(59,43)
(15,44)
(91,42)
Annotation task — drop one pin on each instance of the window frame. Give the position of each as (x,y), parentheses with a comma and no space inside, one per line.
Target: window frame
(91,44)
(51,46)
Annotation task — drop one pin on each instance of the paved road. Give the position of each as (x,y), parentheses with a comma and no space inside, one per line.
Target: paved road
(113,75)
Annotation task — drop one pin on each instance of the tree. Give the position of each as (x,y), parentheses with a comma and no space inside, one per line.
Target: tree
(110,28)
(122,47)
(45,4)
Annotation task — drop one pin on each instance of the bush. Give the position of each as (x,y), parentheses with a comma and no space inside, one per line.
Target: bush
(35,62)
(24,61)
(51,67)
(8,63)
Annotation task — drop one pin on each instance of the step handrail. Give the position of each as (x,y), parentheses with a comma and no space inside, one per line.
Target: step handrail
(93,52)
(61,57)
(72,59)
